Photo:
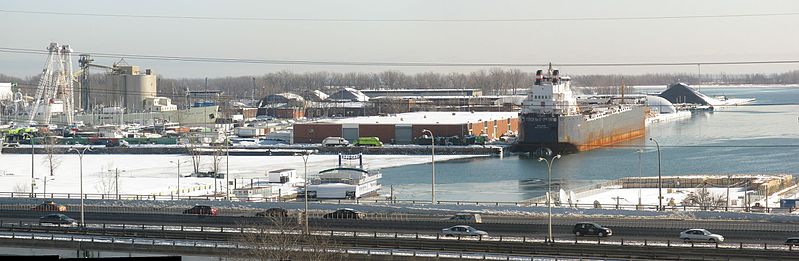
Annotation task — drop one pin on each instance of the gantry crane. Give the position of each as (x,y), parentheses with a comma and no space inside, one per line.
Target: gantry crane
(55,84)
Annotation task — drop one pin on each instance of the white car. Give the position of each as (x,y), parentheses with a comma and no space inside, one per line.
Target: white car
(461,230)
(700,235)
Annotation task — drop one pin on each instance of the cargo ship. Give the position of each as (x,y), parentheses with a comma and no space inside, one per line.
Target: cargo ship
(552,118)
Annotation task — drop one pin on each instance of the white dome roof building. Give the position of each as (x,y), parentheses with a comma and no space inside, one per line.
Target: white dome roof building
(660,104)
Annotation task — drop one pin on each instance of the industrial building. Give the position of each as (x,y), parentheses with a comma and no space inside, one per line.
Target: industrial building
(130,87)
(403,128)
(422,92)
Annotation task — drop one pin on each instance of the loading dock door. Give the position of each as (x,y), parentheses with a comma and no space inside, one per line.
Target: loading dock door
(350,132)
(403,134)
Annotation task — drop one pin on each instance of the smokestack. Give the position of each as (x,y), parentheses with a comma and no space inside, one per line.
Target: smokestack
(539,76)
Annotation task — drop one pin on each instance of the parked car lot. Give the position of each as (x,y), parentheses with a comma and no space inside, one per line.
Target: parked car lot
(700,235)
(462,230)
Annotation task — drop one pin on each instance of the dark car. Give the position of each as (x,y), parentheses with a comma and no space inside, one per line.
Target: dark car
(592,229)
(201,210)
(50,206)
(792,241)
(273,213)
(344,213)
(57,219)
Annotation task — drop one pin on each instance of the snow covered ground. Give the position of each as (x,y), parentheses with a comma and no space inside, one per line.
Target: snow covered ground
(649,196)
(154,174)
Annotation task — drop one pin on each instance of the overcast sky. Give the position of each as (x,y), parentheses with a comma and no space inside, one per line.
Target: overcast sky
(755,38)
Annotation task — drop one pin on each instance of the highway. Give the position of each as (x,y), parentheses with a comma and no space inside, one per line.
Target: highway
(532,227)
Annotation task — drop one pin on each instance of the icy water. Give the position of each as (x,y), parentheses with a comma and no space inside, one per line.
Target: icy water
(759,138)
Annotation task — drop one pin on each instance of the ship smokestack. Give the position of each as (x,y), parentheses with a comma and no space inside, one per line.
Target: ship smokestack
(539,77)
(555,76)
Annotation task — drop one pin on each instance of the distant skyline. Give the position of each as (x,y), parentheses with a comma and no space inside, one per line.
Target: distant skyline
(408,31)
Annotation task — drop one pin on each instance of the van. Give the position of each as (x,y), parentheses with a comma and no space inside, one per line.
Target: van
(368,141)
(335,141)
(467,217)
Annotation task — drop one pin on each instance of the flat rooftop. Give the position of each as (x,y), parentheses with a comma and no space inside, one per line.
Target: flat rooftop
(437,117)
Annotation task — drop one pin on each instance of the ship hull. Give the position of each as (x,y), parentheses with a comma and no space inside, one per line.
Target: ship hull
(570,134)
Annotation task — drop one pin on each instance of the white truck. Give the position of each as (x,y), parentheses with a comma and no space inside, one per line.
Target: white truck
(335,141)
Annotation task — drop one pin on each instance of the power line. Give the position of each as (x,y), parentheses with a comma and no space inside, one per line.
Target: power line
(385,63)
(430,20)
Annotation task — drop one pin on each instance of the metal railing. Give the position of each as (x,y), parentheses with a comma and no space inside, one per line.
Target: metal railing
(172,197)
(209,231)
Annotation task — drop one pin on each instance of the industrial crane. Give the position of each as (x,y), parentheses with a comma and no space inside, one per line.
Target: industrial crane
(54,85)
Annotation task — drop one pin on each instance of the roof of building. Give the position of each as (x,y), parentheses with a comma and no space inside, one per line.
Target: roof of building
(348,94)
(438,117)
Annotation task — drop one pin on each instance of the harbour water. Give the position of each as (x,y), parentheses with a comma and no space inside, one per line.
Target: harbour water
(762,137)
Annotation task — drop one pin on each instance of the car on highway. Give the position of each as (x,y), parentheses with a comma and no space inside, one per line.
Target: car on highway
(700,235)
(466,217)
(201,210)
(273,213)
(462,230)
(50,206)
(344,213)
(591,229)
(792,241)
(57,219)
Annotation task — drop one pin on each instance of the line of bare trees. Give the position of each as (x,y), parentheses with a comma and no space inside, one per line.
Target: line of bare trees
(491,81)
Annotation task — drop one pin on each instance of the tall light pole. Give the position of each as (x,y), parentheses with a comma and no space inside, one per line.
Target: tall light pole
(660,184)
(33,178)
(433,164)
(116,180)
(640,170)
(80,152)
(178,163)
(227,166)
(305,155)
(549,193)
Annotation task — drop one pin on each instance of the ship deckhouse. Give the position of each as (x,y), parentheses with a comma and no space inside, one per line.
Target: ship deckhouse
(551,94)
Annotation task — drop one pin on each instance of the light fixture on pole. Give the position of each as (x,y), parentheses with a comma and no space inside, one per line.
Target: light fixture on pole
(178,162)
(116,180)
(33,178)
(660,184)
(81,151)
(44,180)
(433,164)
(305,155)
(549,193)
(227,166)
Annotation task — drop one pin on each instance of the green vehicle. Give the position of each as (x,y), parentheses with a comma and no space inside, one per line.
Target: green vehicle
(368,141)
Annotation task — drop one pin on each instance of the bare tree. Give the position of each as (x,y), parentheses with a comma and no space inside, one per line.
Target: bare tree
(705,200)
(191,148)
(107,181)
(281,239)
(51,160)
(21,187)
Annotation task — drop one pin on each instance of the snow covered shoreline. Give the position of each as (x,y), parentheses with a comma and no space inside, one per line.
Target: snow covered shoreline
(154,174)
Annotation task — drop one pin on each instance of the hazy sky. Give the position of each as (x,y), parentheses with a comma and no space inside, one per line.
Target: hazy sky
(574,41)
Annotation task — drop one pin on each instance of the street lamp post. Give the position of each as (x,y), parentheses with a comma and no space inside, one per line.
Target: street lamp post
(227,166)
(178,163)
(80,153)
(116,181)
(660,184)
(33,178)
(305,155)
(640,170)
(433,164)
(549,193)
(44,180)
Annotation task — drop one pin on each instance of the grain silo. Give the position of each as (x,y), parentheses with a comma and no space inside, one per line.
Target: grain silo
(131,87)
